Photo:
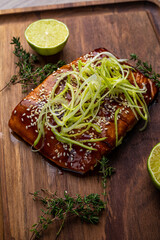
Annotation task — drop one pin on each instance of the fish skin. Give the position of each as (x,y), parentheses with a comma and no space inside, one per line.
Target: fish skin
(78,159)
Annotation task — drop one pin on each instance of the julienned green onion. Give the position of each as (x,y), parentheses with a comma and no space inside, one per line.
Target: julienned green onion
(77,95)
(116,124)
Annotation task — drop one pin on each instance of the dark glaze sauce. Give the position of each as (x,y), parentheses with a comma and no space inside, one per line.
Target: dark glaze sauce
(77,159)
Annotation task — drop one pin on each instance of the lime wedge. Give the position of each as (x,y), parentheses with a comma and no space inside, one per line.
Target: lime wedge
(47,36)
(154,165)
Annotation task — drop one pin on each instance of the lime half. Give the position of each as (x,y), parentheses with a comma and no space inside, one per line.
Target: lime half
(47,36)
(154,165)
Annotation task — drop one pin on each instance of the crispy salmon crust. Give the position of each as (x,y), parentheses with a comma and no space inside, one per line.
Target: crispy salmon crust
(78,159)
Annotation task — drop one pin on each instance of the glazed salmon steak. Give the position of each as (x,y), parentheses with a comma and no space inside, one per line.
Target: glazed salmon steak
(24,117)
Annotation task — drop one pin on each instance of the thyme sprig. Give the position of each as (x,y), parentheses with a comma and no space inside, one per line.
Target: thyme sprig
(106,171)
(87,208)
(146,69)
(28,71)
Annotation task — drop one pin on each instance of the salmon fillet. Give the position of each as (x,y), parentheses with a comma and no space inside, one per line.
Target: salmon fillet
(24,117)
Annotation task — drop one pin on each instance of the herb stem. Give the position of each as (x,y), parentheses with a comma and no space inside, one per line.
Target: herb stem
(87,208)
(106,171)
(146,69)
(29,71)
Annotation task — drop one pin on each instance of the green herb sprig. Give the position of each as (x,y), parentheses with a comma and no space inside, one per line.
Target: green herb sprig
(87,208)
(28,71)
(106,171)
(146,69)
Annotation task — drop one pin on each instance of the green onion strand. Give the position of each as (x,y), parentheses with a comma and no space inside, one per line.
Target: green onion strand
(72,107)
(116,124)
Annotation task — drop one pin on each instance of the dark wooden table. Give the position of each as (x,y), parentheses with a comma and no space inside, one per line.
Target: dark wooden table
(133,209)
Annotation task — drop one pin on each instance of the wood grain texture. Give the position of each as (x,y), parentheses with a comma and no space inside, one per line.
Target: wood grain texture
(1,216)
(133,210)
(30,3)
(28,6)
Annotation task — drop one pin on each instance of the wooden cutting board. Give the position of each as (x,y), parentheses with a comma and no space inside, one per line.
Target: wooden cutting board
(133,209)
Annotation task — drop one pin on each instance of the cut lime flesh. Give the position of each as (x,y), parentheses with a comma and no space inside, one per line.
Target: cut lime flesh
(47,36)
(154,165)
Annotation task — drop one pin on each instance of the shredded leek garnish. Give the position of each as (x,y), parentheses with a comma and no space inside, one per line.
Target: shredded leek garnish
(77,95)
(116,124)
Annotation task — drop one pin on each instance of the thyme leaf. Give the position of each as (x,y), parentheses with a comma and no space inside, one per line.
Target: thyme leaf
(29,74)
(146,69)
(87,208)
(106,171)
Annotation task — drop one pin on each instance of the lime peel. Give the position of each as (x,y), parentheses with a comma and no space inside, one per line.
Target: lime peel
(153,165)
